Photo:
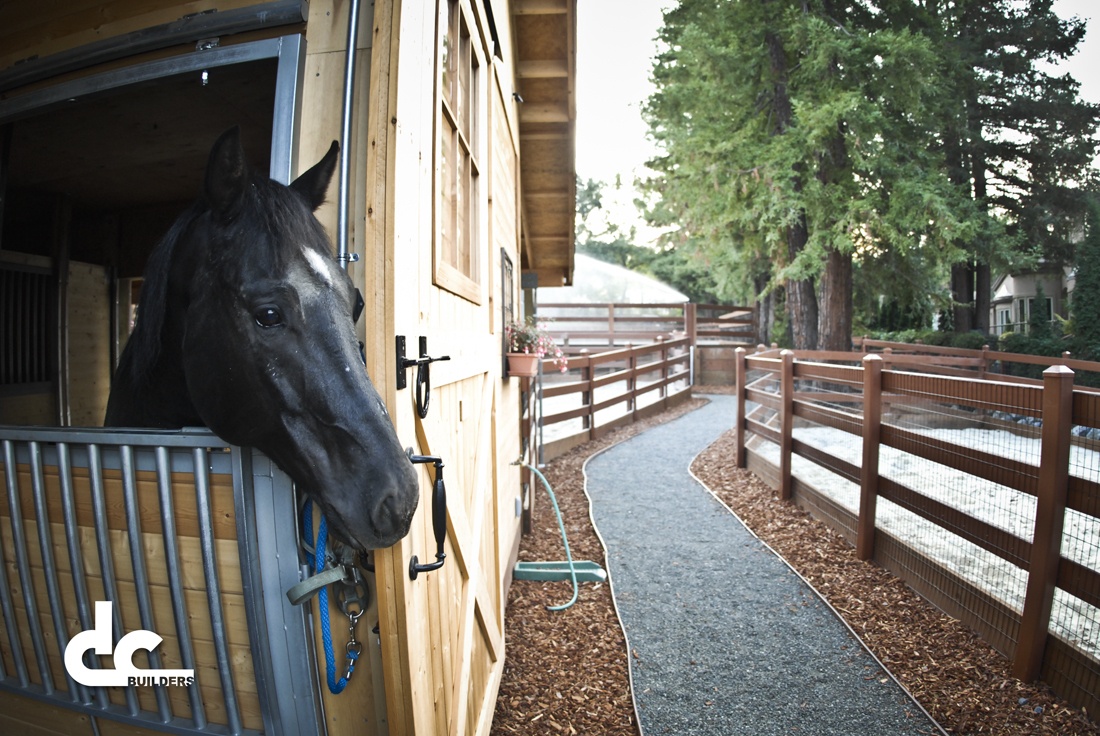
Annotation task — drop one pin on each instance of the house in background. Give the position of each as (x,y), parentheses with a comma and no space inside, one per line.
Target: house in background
(1014,297)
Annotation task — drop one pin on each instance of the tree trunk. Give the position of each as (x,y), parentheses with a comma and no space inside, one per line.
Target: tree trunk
(983,289)
(962,291)
(801,301)
(765,309)
(835,307)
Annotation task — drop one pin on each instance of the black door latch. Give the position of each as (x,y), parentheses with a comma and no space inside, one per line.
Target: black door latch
(423,377)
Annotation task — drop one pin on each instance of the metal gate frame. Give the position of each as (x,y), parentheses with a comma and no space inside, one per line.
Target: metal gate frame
(280,635)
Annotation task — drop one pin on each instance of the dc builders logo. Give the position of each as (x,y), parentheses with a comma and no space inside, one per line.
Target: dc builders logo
(124,674)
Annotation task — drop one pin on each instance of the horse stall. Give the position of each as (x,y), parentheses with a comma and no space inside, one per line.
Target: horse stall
(455,183)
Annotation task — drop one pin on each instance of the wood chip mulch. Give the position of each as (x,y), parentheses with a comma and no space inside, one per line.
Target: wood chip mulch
(566,672)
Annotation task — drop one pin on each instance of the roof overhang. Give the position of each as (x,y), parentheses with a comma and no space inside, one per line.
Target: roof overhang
(546,72)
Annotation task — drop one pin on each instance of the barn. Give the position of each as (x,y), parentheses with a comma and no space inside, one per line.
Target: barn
(456,121)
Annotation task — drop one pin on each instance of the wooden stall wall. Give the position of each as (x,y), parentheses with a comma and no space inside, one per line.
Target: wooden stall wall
(88,344)
(80,354)
(23,715)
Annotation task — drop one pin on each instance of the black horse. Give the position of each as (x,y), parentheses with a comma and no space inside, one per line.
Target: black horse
(246,326)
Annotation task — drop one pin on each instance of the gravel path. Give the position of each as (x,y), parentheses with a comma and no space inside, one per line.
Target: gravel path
(724,637)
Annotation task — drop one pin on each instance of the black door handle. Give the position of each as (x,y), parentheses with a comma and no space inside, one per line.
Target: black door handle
(439,517)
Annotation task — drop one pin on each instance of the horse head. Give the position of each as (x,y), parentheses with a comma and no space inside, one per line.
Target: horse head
(246,325)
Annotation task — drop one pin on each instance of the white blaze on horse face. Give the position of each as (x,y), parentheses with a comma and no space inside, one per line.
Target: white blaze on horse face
(318,263)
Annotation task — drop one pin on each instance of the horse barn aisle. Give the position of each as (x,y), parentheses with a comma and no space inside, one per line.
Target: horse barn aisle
(725,637)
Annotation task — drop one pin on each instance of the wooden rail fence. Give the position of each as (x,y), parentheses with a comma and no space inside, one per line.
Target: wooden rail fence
(579,326)
(779,391)
(611,389)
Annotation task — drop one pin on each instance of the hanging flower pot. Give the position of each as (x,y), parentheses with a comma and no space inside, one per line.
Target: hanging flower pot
(523,365)
(528,343)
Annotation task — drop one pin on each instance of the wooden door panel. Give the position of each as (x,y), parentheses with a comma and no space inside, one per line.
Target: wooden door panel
(445,627)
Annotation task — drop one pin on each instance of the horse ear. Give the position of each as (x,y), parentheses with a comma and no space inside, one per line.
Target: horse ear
(314,183)
(226,173)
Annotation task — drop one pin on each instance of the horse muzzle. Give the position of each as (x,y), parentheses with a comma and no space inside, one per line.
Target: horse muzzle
(378,516)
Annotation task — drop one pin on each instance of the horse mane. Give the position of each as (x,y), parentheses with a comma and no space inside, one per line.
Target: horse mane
(145,343)
(145,346)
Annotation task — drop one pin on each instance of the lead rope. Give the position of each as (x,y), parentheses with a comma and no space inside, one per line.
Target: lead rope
(317,561)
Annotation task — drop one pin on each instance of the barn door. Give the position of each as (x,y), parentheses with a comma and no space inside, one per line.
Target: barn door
(445,641)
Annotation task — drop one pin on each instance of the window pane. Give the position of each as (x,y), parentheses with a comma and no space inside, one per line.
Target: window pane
(462,224)
(464,100)
(447,54)
(447,202)
(457,260)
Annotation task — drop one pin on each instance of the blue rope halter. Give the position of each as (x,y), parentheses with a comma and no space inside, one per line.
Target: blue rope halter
(317,562)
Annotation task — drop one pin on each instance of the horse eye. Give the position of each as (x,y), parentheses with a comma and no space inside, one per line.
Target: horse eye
(268,317)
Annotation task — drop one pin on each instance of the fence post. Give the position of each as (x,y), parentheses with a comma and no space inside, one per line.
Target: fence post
(1050,513)
(739,373)
(587,396)
(868,471)
(690,322)
(632,380)
(611,325)
(786,423)
(663,391)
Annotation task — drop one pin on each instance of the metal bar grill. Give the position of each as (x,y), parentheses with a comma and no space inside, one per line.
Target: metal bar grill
(49,565)
(210,572)
(106,559)
(7,605)
(175,580)
(101,496)
(76,559)
(24,315)
(30,604)
(137,563)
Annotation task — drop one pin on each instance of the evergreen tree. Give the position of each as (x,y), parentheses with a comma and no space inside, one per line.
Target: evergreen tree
(1017,136)
(799,136)
(1086,292)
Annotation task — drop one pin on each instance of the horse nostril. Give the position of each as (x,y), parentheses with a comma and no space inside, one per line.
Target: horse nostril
(394,512)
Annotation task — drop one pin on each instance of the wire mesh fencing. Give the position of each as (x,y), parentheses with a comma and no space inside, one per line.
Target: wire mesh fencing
(943,478)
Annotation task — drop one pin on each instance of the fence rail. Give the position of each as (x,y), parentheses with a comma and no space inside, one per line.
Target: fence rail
(984,495)
(993,365)
(578,326)
(609,389)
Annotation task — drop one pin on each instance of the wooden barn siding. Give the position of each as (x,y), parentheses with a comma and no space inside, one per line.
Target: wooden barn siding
(442,634)
(504,207)
(361,707)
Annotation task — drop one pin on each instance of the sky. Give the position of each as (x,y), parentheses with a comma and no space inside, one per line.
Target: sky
(615,49)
